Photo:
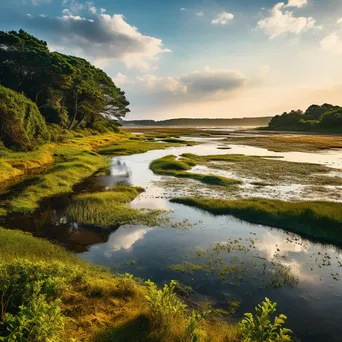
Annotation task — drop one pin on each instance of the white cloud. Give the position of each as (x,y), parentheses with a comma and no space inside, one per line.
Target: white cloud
(339,21)
(183,9)
(103,38)
(102,10)
(332,43)
(297,3)
(223,18)
(281,22)
(200,14)
(121,79)
(206,82)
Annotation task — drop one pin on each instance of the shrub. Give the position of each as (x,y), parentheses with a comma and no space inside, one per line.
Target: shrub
(22,125)
(259,328)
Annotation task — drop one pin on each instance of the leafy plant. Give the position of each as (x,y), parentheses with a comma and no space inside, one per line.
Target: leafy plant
(259,327)
(37,320)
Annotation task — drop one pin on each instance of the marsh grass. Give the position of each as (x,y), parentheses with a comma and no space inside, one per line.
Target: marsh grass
(278,143)
(317,220)
(131,147)
(269,170)
(110,208)
(170,166)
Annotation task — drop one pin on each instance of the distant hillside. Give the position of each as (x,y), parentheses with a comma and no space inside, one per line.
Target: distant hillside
(263,121)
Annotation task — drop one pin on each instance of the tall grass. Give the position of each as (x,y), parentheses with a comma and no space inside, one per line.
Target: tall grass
(109,208)
(170,166)
(318,220)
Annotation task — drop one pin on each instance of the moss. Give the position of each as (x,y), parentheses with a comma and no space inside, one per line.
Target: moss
(170,166)
(317,220)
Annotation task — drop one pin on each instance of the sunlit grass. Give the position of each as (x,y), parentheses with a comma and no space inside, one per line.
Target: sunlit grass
(109,208)
(318,220)
(306,143)
(170,166)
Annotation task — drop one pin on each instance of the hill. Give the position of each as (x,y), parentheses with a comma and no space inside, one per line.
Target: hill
(206,122)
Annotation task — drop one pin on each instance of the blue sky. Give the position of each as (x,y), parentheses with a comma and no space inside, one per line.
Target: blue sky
(187,58)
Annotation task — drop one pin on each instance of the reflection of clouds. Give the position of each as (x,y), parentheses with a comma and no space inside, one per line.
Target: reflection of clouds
(119,168)
(124,238)
(269,245)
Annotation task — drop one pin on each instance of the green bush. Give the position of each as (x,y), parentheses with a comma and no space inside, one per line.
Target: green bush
(259,328)
(22,125)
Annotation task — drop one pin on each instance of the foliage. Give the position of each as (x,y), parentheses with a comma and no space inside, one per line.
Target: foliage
(316,118)
(67,90)
(259,328)
(22,126)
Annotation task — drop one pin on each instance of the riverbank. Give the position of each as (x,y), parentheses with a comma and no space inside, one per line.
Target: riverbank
(65,164)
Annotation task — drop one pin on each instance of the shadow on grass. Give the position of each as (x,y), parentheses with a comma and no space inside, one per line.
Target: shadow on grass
(135,330)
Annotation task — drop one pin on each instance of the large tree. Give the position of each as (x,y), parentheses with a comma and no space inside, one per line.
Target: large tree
(68,90)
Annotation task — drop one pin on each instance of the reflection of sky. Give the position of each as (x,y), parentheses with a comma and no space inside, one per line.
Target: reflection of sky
(288,253)
(123,239)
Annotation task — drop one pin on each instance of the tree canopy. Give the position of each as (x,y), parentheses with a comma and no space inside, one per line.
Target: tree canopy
(67,90)
(326,117)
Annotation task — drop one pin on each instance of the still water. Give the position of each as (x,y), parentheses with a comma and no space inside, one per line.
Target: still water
(223,258)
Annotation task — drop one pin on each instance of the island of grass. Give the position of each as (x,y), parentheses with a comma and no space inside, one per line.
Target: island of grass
(109,209)
(171,166)
(317,220)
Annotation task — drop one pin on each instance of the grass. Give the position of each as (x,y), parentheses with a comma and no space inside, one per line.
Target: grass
(270,170)
(133,146)
(306,143)
(72,161)
(170,166)
(317,220)
(109,208)
(93,304)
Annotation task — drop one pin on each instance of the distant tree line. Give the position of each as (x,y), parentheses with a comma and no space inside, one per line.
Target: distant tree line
(43,90)
(316,118)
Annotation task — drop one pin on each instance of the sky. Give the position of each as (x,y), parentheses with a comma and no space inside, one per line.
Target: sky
(198,58)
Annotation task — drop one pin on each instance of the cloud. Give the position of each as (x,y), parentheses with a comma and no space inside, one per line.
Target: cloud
(200,14)
(339,21)
(183,9)
(103,38)
(332,43)
(121,79)
(281,22)
(223,18)
(264,70)
(297,3)
(196,85)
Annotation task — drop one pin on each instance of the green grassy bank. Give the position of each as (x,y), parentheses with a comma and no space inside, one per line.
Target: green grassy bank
(318,220)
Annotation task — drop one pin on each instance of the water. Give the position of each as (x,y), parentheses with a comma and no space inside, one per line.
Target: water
(258,260)
(235,260)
